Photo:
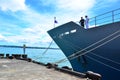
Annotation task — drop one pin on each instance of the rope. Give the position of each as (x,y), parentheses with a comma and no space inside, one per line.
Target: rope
(101,56)
(104,64)
(100,41)
(50,42)
(106,58)
(73,55)
(96,47)
(39,57)
(47,48)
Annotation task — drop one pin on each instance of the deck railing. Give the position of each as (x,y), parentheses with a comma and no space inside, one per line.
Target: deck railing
(105,18)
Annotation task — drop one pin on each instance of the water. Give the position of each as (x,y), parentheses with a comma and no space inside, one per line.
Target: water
(39,54)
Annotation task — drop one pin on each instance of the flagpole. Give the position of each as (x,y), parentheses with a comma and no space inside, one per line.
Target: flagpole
(54,21)
(52,40)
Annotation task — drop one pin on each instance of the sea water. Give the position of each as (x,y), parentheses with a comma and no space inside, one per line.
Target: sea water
(40,55)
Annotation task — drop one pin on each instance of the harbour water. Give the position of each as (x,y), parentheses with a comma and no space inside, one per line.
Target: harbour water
(40,55)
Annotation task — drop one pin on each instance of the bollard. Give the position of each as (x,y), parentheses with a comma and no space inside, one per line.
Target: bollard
(1,55)
(49,65)
(93,76)
(24,56)
(7,55)
(29,59)
(66,67)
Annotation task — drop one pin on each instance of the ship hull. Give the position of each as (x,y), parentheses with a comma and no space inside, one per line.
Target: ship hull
(96,49)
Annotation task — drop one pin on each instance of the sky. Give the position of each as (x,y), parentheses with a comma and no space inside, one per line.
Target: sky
(27,21)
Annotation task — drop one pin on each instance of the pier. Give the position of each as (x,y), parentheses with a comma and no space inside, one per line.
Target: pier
(13,69)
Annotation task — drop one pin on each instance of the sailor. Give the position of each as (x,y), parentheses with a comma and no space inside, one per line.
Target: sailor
(87,22)
(82,22)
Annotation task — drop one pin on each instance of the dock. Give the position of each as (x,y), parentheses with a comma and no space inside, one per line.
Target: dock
(13,69)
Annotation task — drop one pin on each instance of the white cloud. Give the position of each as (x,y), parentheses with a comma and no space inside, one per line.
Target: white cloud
(31,36)
(71,10)
(75,5)
(12,5)
(37,33)
(112,0)
(72,5)
(66,10)
(1,37)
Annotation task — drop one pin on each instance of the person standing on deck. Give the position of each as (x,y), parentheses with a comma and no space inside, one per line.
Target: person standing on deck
(82,21)
(87,22)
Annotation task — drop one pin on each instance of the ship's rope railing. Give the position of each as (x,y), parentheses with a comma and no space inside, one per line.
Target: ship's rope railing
(77,54)
(106,18)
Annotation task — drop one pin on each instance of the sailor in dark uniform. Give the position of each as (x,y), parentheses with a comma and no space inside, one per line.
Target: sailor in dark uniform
(82,22)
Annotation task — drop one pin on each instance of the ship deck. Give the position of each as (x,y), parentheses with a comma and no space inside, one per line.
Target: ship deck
(24,70)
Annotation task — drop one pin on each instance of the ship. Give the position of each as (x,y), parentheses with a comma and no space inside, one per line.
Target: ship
(95,49)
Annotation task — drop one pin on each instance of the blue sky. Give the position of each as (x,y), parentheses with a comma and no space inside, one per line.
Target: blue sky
(27,21)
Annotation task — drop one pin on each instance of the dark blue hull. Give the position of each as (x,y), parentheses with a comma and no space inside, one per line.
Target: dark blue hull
(96,49)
